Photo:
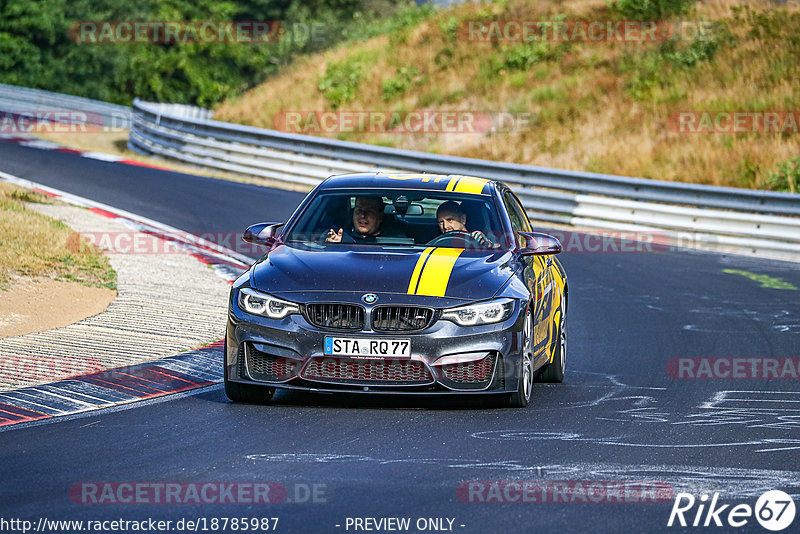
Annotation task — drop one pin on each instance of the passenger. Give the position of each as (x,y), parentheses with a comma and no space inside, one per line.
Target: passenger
(367,220)
(453,218)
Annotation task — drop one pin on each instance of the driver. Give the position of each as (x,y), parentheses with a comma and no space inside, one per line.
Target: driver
(453,218)
(367,220)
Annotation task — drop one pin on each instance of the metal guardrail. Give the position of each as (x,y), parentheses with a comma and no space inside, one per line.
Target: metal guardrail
(528,175)
(23,101)
(155,134)
(740,220)
(182,110)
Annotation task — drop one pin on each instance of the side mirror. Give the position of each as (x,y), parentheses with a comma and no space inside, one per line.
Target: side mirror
(263,234)
(537,244)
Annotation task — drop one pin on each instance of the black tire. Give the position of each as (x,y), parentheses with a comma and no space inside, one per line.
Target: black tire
(522,397)
(244,392)
(554,372)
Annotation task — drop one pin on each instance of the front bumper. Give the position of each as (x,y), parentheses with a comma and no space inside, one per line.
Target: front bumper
(445,358)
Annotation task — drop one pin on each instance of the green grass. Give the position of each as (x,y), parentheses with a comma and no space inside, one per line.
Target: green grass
(32,244)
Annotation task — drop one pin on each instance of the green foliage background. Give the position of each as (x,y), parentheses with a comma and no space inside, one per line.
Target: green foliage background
(36,50)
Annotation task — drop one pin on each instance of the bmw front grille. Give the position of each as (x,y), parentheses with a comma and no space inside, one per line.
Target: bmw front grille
(400,318)
(352,317)
(337,316)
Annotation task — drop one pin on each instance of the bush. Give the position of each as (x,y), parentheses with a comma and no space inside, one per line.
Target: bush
(658,67)
(786,177)
(398,85)
(340,81)
(407,16)
(698,51)
(650,9)
(521,57)
(449,27)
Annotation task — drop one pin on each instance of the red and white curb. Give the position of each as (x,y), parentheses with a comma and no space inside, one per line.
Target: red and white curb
(123,385)
(113,387)
(41,144)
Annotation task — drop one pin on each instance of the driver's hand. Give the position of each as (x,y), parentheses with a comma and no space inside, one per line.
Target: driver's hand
(482,240)
(333,236)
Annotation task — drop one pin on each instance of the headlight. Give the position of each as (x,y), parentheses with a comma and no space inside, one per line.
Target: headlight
(258,303)
(489,312)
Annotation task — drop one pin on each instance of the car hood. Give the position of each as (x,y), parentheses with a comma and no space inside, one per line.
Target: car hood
(432,272)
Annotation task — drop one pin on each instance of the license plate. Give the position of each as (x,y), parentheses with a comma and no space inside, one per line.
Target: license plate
(368,347)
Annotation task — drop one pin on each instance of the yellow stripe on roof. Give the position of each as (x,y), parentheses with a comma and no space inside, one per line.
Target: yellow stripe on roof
(404,176)
(457,183)
(470,184)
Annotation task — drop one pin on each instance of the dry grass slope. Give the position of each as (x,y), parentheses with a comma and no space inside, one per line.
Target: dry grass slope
(33,245)
(601,107)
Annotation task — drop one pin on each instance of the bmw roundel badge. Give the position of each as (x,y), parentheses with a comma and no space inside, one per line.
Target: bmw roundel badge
(369,298)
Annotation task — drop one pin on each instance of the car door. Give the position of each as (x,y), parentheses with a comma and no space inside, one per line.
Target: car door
(538,277)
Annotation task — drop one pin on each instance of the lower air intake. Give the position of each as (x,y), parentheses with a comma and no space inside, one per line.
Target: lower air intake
(269,368)
(479,371)
(367,372)
(474,375)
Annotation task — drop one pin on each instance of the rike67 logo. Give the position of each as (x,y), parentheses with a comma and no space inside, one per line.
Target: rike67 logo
(774,510)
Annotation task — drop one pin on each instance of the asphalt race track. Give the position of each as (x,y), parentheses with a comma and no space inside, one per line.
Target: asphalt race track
(620,419)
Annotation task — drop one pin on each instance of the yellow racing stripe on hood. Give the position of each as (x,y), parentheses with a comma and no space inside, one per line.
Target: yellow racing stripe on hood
(435,270)
(412,285)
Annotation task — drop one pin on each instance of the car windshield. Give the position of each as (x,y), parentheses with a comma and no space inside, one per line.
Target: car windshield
(399,218)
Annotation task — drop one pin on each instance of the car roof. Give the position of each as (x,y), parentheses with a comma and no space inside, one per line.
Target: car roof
(434,182)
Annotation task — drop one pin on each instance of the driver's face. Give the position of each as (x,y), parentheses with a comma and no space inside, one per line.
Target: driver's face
(367,217)
(450,222)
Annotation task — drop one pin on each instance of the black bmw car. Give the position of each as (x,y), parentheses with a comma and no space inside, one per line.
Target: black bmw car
(399,284)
